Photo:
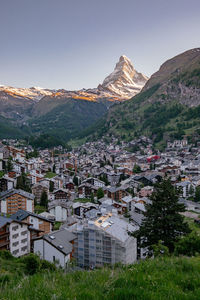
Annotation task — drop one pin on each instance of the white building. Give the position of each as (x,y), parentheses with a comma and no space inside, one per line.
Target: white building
(59,211)
(19,238)
(56,247)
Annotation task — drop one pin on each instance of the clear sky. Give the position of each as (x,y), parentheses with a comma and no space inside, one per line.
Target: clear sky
(75,44)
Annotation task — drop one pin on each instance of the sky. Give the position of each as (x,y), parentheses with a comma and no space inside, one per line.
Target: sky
(75,44)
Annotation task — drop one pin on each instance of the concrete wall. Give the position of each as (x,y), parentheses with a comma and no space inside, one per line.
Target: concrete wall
(49,252)
(19,239)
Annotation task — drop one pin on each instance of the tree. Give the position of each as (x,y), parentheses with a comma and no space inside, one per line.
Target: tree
(44,199)
(9,165)
(22,183)
(92,197)
(54,168)
(197,194)
(136,169)
(188,245)
(75,180)
(100,193)
(163,221)
(51,186)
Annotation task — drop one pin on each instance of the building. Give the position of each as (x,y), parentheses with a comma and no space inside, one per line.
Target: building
(37,222)
(13,200)
(14,236)
(37,191)
(56,247)
(105,241)
(59,210)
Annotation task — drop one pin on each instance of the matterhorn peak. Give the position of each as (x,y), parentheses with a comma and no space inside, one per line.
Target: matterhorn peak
(124,82)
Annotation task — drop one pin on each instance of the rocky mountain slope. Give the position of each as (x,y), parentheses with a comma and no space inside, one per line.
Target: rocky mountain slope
(124,82)
(168,106)
(50,111)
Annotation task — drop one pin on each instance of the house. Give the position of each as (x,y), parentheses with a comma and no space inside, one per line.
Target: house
(95,182)
(81,208)
(59,210)
(14,236)
(56,247)
(6,183)
(117,193)
(13,200)
(104,241)
(61,194)
(186,188)
(37,191)
(38,222)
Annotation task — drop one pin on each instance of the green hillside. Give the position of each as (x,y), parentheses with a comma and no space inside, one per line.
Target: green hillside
(66,120)
(162,278)
(167,108)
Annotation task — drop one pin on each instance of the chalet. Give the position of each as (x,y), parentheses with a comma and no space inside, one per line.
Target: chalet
(38,189)
(59,210)
(7,183)
(13,200)
(38,222)
(61,194)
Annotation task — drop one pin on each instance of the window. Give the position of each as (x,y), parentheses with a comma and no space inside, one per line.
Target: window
(15,235)
(24,241)
(24,232)
(24,248)
(15,252)
(15,227)
(54,258)
(15,244)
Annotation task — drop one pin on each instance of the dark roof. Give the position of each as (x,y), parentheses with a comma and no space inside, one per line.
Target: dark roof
(23,214)
(4,221)
(61,240)
(4,195)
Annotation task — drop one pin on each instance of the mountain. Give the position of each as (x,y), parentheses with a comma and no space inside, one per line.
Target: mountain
(124,82)
(65,113)
(168,106)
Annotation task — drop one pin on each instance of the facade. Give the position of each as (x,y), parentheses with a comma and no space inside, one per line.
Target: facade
(105,241)
(14,236)
(36,221)
(59,211)
(56,247)
(13,200)
(37,191)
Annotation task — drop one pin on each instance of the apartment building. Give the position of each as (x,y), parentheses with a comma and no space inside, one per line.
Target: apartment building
(105,241)
(14,236)
(13,200)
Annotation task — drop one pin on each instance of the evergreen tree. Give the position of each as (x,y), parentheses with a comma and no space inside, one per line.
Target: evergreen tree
(9,165)
(92,198)
(100,193)
(75,180)
(197,194)
(163,221)
(22,183)
(51,186)
(44,199)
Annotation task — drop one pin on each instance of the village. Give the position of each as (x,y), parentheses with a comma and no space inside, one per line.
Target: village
(80,206)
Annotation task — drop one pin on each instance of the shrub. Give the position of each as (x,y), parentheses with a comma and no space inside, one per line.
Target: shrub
(32,264)
(5,254)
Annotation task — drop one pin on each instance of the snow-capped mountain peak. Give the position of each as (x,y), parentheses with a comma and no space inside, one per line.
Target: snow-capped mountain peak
(124,82)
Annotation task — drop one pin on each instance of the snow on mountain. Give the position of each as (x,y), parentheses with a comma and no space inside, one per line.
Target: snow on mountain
(124,82)
(33,93)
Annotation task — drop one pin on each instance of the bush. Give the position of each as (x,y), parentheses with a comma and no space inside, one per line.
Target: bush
(189,245)
(5,254)
(32,264)
(46,265)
